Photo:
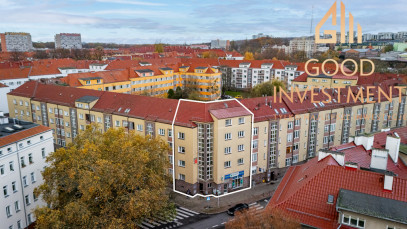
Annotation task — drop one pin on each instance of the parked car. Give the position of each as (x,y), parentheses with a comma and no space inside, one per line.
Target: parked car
(237,208)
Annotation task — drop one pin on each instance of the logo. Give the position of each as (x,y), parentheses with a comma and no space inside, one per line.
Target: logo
(332,40)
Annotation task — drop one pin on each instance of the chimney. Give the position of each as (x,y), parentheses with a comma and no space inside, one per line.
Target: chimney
(365,140)
(393,146)
(379,159)
(338,156)
(388,181)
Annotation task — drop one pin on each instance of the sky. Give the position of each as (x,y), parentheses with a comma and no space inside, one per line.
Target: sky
(188,21)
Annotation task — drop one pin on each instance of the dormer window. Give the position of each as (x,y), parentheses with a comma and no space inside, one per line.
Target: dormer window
(87,82)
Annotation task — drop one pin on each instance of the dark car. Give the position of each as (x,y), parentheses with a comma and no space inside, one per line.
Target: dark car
(237,208)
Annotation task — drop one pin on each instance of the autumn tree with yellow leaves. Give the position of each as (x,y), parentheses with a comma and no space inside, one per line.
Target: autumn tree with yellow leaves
(105,180)
(248,56)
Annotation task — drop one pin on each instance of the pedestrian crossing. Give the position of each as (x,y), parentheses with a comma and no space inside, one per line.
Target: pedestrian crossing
(256,206)
(174,222)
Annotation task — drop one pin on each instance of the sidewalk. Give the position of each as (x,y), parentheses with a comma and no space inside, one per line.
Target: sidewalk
(200,204)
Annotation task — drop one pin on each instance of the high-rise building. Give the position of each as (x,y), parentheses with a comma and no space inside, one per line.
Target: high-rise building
(20,42)
(23,149)
(68,41)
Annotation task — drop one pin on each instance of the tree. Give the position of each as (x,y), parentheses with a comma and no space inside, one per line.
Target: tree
(387,48)
(40,54)
(170,93)
(159,48)
(269,218)
(298,56)
(109,180)
(209,54)
(267,88)
(99,52)
(330,54)
(248,56)
(178,93)
(16,56)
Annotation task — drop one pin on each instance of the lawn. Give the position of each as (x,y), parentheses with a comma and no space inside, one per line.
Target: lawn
(233,93)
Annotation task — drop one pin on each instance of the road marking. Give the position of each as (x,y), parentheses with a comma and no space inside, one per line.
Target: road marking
(189,210)
(258,208)
(180,214)
(223,223)
(142,226)
(147,224)
(178,217)
(215,225)
(185,212)
(252,204)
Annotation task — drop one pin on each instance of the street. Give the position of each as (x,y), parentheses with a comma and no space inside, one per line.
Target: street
(218,220)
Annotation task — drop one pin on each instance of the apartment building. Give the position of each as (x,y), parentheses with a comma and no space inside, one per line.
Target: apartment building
(152,80)
(306,44)
(20,42)
(305,81)
(68,41)
(216,146)
(23,149)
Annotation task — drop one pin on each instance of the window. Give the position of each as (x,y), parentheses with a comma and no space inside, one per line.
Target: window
(1,169)
(27,200)
(227,164)
(22,162)
(287,161)
(5,191)
(25,181)
(240,147)
(254,157)
(255,144)
(240,161)
(19,224)
(14,186)
(117,123)
(161,132)
(296,134)
(30,218)
(181,163)
(228,150)
(33,177)
(181,149)
(228,122)
(297,122)
(289,137)
(181,135)
(241,120)
(139,127)
(240,134)
(290,125)
(8,211)
(228,136)
(256,131)
(80,116)
(181,176)
(30,158)
(17,206)
(43,152)
(169,133)
(35,197)
(353,221)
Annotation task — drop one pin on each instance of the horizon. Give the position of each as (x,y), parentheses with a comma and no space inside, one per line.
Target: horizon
(173,22)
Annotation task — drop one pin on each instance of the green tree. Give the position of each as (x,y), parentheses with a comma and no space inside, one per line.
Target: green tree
(387,48)
(170,93)
(159,48)
(267,88)
(178,93)
(109,180)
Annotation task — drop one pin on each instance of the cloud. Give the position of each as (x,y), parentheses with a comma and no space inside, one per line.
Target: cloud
(131,2)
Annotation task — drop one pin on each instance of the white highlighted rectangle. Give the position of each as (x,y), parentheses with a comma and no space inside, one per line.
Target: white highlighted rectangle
(173,148)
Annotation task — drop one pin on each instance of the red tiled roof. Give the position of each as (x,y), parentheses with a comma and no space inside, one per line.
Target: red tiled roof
(262,111)
(229,112)
(14,73)
(2,85)
(301,78)
(107,76)
(22,135)
(304,190)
